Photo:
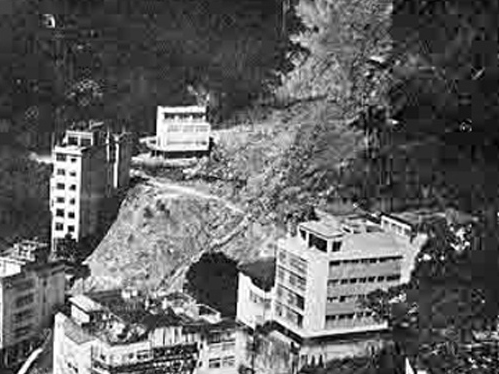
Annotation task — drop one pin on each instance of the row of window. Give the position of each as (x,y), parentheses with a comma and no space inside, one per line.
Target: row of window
(60,213)
(225,346)
(62,157)
(348,316)
(84,142)
(289,314)
(293,279)
(186,142)
(293,261)
(381,278)
(23,316)
(72,173)
(22,301)
(290,297)
(188,128)
(179,117)
(345,298)
(24,285)
(22,331)
(221,337)
(227,362)
(259,300)
(379,260)
(62,186)
(60,227)
(61,200)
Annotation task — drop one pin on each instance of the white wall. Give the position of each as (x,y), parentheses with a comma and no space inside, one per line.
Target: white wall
(249,312)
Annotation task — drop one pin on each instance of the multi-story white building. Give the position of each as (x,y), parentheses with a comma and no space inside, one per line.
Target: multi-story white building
(31,288)
(123,332)
(323,271)
(89,166)
(182,130)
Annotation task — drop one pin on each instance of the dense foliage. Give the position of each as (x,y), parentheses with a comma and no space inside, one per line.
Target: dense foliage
(213,280)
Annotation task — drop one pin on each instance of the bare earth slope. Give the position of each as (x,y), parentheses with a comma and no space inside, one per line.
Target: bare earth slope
(164,226)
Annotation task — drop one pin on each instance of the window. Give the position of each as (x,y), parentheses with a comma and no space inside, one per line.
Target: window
(61,172)
(59,226)
(85,142)
(60,186)
(71,214)
(381,279)
(344,281)
(332,299)
(371,279)
(394,277)
(71,228)
(336,246)
(72,201)
(24,285)
(59,200)
(303,234)
(73,159)
(319,243)
(59,212)
(214,363)
(333,282)
(24,300)
(72,173)
(72,140)
(343,299)
(353,280)
(372,261)
(22,331)
(72,187)
(228,361)
(60,157)
(23,316)
(362,280)
(334,263)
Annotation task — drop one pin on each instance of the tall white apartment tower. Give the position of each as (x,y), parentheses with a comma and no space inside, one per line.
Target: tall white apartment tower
(89,165)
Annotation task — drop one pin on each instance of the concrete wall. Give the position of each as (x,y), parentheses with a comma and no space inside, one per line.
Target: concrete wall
(249,311)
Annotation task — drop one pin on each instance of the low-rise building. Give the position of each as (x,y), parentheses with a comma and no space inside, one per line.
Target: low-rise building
(31,289)
(124,332)
(255,292)
(181,131)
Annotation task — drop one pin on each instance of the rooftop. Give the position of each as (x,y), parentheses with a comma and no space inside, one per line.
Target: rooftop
(183,109)
(89,126)
(261,272)
(123,316)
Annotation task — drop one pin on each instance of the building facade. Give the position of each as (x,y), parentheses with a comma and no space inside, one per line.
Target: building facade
(111,332)
(182,131)
(31,288)
(255,292)
(89,166)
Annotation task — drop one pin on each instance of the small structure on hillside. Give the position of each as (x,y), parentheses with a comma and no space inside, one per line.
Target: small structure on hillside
(182,131)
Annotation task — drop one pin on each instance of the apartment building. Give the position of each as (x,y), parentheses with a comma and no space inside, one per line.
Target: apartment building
(181,131)
(126,332)
(31,288)
(324,271)
(255,292)
(90,164)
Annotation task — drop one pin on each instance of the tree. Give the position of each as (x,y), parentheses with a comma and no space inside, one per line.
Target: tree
(213,280)
(67,249)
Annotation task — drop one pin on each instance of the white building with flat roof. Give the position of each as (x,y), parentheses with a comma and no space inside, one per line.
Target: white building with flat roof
(31,288)
(324,271)
(182,129)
